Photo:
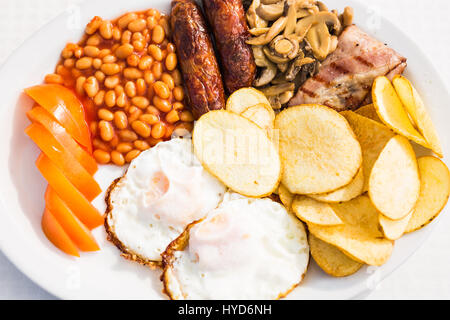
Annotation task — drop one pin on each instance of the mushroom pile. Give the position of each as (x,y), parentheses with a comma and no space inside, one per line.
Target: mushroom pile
(290,39)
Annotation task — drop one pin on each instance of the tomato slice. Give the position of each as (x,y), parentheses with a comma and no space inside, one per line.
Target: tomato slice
(74,199)
(77,231)
(65,107)
(43,117)
(56,234)
(71,168)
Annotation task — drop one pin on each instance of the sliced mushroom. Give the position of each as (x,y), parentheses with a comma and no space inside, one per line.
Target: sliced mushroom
(260,58)
(272,56)
(269,1)
(253,19)
(291,20)
(286,96)
(333,44)
(270,12)
(266,76)
(258,31)
(328,18)
(277,27)
(278,89)
(319,38)
(282,67)
(322,6)
(296,66)
(347,17)
(275,102)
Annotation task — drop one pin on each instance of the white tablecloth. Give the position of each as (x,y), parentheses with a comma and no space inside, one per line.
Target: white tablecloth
(425,276)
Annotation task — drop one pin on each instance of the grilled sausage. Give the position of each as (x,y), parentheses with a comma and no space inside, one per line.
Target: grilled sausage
(197,58)
(227,19)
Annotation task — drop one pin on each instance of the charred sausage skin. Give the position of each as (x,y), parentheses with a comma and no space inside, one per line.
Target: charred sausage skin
(227,20)
(197,59)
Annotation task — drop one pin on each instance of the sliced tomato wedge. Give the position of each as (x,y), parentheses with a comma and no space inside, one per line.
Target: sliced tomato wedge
(43,117)
(74,199)
(65,107)
(76,230)
(56,234)
(64,160)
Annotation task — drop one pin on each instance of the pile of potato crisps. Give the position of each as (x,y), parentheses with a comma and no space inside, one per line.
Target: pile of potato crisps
(352,177)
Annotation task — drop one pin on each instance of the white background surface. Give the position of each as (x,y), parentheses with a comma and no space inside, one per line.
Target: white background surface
(425,276)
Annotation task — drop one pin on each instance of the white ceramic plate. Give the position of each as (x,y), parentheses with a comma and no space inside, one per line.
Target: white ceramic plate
(106,275)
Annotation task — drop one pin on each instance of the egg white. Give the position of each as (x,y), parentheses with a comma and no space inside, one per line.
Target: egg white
(244,249)
(164,190)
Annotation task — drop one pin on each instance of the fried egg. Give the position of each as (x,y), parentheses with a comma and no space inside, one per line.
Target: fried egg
(244,249)
(164,190)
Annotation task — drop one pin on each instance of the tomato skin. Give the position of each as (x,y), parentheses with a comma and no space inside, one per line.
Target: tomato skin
(74,199)
(66,108)
(43,117)
(56,234)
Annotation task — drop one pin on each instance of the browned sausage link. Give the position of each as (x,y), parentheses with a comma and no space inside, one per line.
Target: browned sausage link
(227,19)
(197,59)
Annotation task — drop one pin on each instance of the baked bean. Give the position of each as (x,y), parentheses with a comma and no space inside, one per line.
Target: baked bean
(97,63)
(91,86)
(130,89)
(176,75)
(124,147)
(132,73)
(134,115)
(178,93)
(99,98)
(110,68)
(69,63)
(116,34)
(154,13)
(93,126)
(140,102)
(132,155)
(141,145)
(103,53)
(53,78)
(153,142)
(170,47)
(110,98)
(164,23)
(149,118)
(145,62)
(158,130)
(141,128)
(75,73)
(84,63)
(91,51)
(124,51)
(186,116)
(102,156)
(138,45)
(158,34)
(105,29)
(177,106)
(120,119)
(106,115)
(121,100)
(100,76)
(93,40)
(126,20)
(168,80)
(99,144)
(93,25)
(67,53)
(169,130)
(162,104)
(149,77)
(79,85)
(106,130)
(137,25)
(126,37)
(161,89)
(109,59)
(127,135)
(172,116)
(133,60)
(155,52)
(151,22)
(117,158)
(141,87)
(171,61)
(111,82)
(157,70)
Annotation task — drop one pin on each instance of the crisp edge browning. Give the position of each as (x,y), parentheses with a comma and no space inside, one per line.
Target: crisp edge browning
(111,236)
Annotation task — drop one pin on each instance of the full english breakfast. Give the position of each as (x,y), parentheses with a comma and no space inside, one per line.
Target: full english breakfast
(252,134)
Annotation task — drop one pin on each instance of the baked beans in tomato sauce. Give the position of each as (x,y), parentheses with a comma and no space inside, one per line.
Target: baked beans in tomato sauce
(125,72)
